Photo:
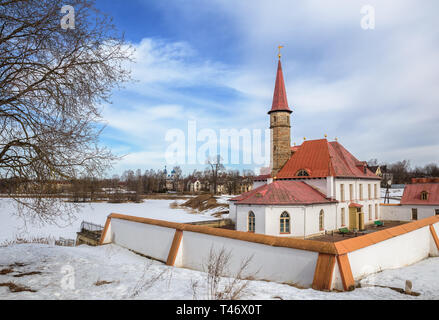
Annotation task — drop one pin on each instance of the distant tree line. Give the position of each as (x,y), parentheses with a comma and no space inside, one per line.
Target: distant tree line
(131,185)
(402,172)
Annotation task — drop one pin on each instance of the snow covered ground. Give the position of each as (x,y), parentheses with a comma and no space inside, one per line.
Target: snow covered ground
(12,227)
(75,272)
(396,194)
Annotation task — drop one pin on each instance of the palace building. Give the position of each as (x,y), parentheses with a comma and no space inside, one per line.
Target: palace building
(311,189)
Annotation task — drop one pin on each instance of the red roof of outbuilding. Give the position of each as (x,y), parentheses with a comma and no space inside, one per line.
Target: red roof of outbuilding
(262,177)
(280,101)
(412,194)
(283,193)
(321,159)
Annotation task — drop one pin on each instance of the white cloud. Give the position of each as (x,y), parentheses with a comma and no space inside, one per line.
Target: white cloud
(158,62)
(375,90)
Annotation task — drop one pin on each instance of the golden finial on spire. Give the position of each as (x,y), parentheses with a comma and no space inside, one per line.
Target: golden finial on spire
(280,47)
(326,136)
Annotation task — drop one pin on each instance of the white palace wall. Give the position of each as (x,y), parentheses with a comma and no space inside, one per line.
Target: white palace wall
(321,265)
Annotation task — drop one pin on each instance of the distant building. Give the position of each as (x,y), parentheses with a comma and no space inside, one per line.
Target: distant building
(194,185)
(420,200)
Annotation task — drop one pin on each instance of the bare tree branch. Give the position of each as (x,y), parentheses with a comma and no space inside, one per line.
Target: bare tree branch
(52,82)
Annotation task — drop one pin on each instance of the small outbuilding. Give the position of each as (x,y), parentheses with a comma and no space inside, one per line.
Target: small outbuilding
(420,200)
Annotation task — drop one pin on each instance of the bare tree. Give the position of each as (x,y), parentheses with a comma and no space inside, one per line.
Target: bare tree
(149,279)
(52,82)
(217,267)
(215,167)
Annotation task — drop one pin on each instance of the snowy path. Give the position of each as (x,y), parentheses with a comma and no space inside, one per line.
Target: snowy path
(125,269)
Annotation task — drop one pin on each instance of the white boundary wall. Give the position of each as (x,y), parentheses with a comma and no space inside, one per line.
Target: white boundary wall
(149,240)
(269,263)
(279,264)
(393,253)
(404,212)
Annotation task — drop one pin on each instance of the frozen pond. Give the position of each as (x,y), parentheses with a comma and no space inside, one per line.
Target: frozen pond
(12,227)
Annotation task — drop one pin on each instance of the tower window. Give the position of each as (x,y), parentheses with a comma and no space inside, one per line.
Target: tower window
(302,173)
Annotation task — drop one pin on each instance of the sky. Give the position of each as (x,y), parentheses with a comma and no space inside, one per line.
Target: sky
(213,64)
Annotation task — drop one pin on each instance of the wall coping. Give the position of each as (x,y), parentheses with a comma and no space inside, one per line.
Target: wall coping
(353,244)
(300,244)
(336,248)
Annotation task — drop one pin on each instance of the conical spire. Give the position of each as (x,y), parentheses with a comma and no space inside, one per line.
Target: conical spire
(280,102)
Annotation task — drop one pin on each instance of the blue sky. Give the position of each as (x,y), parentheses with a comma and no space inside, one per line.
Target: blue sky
(214,62)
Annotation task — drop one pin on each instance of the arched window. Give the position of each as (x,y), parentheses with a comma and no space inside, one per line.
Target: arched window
(302,173)
(251,222)
(424,195)
(322,220)
(285,223)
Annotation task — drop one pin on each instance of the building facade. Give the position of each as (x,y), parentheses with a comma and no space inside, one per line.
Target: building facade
(311,189)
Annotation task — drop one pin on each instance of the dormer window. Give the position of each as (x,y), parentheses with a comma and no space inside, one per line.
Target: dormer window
(302,173)
(424,195)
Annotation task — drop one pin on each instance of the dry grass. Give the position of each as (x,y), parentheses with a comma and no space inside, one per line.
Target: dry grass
(6,271)
(174,205)
(165,196)
(16,287)
(203,202)
(102,283)
(26,274)
(8,243)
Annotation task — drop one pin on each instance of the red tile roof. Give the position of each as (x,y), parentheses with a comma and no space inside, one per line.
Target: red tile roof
(280,101)
(262,177)
(412,194)
(282,193)
(425,180)
(321,159)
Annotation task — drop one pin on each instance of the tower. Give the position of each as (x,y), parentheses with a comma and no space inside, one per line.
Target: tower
(280,124)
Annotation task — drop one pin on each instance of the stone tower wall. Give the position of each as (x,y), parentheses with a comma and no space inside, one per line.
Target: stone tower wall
(281,140)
